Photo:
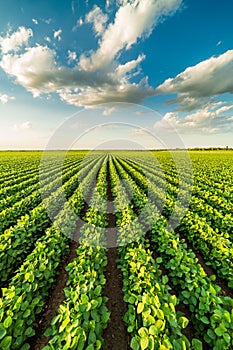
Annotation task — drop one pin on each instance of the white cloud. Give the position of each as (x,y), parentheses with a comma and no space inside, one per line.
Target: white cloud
(35,21)
(79,23)
(72,56)
(13,42)
(47,21)
(208,78)
(57,34)
(139,131)
(133,21)
(108,111)
(99,77)
(89,96)
(205,120)
(32,69)
(47,38)
(98,19)
(24,126)
(4,98)
(124,70)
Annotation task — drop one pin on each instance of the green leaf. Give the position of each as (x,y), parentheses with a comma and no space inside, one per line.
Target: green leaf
(227,338)
(219,331)
(197,344)
(48,332)
(131,300)
(105,317)
(205,320)
(183,321)
(55,319)
(27,347)
(98,291)
(143,332)
(140,308)
(6,343)
(84,298)
(91,337)
(144,343)
(27,313)
(153,330)
(134,344)
(29,332)
(2,331)
(8,322)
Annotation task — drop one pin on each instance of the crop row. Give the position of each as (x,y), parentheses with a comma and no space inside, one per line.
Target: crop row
(214,245)
(17,241)
(210,312)
(25,297)
(31,198)
(82,317)
(151,316)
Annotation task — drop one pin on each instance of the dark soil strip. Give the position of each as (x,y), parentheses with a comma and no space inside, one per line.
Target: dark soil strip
(115,335)
(225,290)
(189,331)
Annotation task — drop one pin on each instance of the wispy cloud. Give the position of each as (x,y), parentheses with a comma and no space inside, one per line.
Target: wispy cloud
(109,111)
(35,21)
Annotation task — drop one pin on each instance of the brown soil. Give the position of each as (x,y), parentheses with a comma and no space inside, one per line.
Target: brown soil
(115,334)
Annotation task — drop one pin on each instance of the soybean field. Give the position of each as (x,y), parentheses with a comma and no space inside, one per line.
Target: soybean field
(116,250)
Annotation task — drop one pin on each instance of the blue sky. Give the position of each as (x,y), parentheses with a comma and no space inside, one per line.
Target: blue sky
(109,62)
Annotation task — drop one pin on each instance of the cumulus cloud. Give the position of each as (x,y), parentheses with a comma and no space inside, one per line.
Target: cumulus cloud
(4,98)
(89,96)
(35,21)
(208,78)
(31,69)
(97,77)
(98,19)
(133,20)
(13,42)
(206,120)
(57,34)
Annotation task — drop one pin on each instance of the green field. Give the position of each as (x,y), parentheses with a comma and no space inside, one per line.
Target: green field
(139,255)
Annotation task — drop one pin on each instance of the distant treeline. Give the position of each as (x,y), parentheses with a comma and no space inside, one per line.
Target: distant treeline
(211,149)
